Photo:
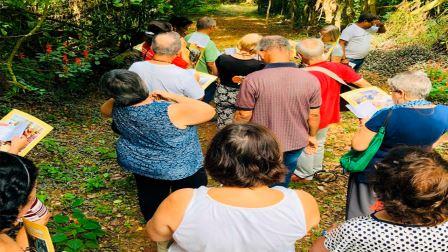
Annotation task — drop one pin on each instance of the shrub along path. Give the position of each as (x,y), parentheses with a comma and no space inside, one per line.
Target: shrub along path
(78,167)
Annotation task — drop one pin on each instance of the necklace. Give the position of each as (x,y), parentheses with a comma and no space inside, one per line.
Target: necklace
(413,104)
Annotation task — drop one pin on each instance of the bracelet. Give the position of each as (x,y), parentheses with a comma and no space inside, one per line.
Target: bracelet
(324,233)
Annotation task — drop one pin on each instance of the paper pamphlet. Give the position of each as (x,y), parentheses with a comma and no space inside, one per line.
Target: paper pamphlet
(205,79)
(17,123)
(230,51)
(39,237)
(199,39)
(139,47)
(365,102)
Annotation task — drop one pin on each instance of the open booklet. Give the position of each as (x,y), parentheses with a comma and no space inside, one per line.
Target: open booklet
(365,102)
(205,79)
(17,124)
(38,237)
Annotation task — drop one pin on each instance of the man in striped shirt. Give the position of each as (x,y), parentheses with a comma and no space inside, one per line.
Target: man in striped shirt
(284,99)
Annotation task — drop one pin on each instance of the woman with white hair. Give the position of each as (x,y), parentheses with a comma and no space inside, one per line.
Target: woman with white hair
(231,70)
(412,121)
(330,34)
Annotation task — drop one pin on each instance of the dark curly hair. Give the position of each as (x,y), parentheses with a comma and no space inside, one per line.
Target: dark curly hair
(412,183)
(15,186)
(245,155)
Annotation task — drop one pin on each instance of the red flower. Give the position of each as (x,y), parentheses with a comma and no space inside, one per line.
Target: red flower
(22,55)
(78,61)
(85,53)
(65,58)
(48,48)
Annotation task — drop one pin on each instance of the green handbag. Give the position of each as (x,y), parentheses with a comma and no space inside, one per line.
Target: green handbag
(357,161)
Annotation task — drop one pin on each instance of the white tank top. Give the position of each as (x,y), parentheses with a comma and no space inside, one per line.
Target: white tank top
(211,226)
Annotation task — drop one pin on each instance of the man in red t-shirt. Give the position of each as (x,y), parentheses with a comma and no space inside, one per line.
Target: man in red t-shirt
(311,51)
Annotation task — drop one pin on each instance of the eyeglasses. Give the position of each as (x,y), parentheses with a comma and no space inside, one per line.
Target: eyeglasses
(396,91)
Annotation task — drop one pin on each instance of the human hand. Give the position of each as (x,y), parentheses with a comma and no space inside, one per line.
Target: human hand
(44,219)
(18,143)
(311,148)
(363,121)
(162,95)
(345,61)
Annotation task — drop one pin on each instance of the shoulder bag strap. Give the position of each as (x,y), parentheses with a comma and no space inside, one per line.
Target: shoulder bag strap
(328,73)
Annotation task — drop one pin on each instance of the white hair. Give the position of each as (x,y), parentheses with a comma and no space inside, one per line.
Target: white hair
(311,48)
(415,83)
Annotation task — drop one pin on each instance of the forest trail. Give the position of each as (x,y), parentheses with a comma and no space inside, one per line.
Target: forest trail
(78,165)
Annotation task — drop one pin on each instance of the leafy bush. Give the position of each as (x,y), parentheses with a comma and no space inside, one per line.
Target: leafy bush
(75,232)
(439,79)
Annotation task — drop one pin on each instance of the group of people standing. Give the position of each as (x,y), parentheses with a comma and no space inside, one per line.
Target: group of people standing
(273,119)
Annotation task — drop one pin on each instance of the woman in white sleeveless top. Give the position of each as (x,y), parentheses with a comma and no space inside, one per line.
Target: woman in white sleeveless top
(245,214)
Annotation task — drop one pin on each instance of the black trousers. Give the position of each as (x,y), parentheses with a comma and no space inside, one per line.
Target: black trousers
(151,192)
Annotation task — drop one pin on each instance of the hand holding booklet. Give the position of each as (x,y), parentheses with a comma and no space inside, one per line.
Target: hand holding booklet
(205,79)
(18,124)
(365,102)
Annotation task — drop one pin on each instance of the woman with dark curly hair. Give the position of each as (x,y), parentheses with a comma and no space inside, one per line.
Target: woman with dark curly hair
(245,214)
(17,193)
(412,188)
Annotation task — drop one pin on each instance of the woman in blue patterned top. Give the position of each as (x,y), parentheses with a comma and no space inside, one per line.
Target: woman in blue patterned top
(158,141)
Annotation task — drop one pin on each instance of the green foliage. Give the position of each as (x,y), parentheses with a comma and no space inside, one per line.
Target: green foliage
(75,232)
(103,28)
(439,79)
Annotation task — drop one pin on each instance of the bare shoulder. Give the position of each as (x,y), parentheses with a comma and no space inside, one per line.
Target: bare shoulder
(180,197)
(305,197)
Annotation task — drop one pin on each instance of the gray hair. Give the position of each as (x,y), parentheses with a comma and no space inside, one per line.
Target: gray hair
(311,48)
(414,83)
(126,87)
(167,43)
(274,41)
(205,23)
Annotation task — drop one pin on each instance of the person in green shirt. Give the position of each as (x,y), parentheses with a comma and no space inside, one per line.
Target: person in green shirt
(206,63)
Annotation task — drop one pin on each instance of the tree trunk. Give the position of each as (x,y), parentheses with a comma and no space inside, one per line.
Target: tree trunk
(338,15)
(268,10)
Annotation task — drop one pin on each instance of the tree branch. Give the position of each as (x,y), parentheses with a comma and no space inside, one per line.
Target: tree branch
(17,47)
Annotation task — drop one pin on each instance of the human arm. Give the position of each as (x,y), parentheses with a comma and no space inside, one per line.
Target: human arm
(106,108)
(185,111)
(211,53)
(17,144)
(367,131)
(362,138)
(362,83)
(344,59)
(245,101)
(211,66)
(310,209)
(243,116)
(22,239)
(313,122)
(336,59)
(191,87)
(169,215)
(319,245)
(315,101)
(381,26)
